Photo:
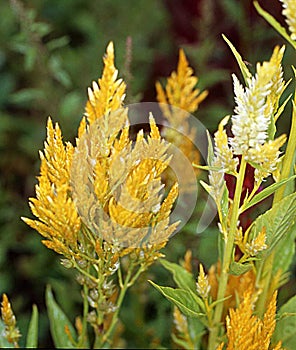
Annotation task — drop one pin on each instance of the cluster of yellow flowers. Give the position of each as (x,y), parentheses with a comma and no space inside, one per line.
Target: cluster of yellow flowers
(103,199)
(246,331)
(104,185)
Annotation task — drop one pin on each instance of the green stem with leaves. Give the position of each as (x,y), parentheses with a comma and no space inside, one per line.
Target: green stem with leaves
(129,280)
(227,256)
(265,274)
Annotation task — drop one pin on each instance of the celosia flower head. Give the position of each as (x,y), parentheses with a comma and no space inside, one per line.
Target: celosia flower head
(177,100)
(252,125)
(255,105)
(246,331)
(106,183)
(289,11)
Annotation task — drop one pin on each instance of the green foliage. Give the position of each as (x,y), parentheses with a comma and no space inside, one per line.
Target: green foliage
(183,278)
(277,221)
(243,67)
(49,52)
(274,23)
(266,192)
(186,300)
(32,334)
(58,323)
(238,269)
(285,328)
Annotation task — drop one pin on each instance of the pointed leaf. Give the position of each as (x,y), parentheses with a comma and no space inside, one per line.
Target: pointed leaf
(224,202)
(275,24)
(286,249)
(289,157)
(182,277)
(58,321)
(187,302)
(286,325)
(265,193)
(281,108)
(206,186)
(244,69)
(271,128)
(210,155)
(32,335)
(277,221)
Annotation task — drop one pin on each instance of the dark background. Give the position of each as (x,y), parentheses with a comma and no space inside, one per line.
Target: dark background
(50,51)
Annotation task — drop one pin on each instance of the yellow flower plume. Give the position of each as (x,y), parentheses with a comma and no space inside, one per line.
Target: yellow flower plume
(108,94)
(10,331)
(180,90)
(178,99)
(246,331)
(58,220)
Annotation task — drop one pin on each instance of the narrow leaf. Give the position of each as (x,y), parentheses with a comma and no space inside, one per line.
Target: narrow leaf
(206,186)
(275,24)
(186,301)
(281,108)
(244,69)
(286,325)
(58,321)
(265,193)
(289,160)
(224,202)
(210,155)
(32,335)
(182,277)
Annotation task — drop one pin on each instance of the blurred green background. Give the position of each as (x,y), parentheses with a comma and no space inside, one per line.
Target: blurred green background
(50,51)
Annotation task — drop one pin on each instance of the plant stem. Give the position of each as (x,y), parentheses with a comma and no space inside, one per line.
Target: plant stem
(101,342)
(81,342)
(228,251)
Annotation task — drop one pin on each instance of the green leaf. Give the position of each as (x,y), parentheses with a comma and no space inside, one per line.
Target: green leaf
(265,193)
(286,325)
(4,343)
(286,250)
(58,321)
(238,269)
(206,186)
(32,335)
(275,24)
(56,67)
(210,155)
(58,43)
(196,330)
(182,277)
(224,203)
(26,96)
(278,221)
(271,128)
(281,108)
(244,69)
(187,302)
